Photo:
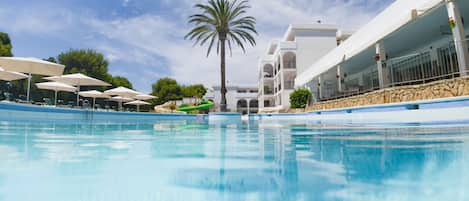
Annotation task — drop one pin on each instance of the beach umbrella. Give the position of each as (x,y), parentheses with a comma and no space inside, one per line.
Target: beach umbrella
(78,80)
(121,100)
(144,97)
(122,92)
(93,94)
(10,76)
(56,87)
(137,103)
(31,66)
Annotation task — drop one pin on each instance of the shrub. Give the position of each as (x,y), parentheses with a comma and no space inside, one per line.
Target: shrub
(299,98)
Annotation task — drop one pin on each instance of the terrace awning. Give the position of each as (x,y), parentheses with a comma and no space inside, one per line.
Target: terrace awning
(78,80)
(123,92)
(10,76)
(391,19)
(137,103)
(56,87)
(93,94)
(121,100)
(31,66)
(144,97)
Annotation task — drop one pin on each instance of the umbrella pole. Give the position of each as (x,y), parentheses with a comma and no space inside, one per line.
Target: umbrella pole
(29,87)
(55,100)
(78,95)
(94,100)
(138,108)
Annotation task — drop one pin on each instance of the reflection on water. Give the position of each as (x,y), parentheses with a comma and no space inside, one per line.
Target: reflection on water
(197,160)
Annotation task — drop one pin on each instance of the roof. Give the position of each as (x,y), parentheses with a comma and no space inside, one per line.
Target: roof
(390,20)
(290,34)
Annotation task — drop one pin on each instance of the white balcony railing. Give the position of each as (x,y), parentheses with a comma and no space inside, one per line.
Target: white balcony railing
(287,45)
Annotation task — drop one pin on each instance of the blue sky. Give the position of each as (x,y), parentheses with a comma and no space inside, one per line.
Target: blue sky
(143,39)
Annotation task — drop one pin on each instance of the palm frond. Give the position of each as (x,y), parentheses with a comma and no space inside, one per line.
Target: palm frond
(221,21)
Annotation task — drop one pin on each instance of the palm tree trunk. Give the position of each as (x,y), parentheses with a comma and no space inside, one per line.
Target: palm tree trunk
(222,70)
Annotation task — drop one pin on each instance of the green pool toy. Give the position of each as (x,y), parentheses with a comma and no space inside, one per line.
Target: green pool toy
(204,105)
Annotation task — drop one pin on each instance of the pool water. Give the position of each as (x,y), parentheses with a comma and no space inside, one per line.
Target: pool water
(232,161)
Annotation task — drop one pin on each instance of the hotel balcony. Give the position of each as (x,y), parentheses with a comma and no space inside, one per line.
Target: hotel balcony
(288,45)
(289,61)
(289,85)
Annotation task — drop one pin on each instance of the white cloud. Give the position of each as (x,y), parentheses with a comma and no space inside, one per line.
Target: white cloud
(125,3)
(29,21)
(157,43)
(164,37)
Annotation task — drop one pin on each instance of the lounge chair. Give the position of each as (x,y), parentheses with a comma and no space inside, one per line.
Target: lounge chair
(48,101)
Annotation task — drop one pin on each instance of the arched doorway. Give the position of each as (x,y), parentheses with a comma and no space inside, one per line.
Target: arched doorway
(253,106)
(242,106)
(268,70)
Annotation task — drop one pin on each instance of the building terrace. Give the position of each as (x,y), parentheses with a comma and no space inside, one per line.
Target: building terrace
(409,43)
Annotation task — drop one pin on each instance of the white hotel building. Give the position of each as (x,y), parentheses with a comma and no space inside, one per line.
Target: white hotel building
(302,45)
(242,99)
(410,42)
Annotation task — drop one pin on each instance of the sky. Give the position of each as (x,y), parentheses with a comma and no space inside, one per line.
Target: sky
(144,39)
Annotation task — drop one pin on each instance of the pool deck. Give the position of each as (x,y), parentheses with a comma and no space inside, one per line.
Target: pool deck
(10,111)
(443,110)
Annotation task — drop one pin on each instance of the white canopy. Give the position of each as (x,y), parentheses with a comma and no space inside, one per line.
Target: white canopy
(122,91)
(391,19)
(121,99)
(31,65)
(56,86)
(144,97)
(10,76)
(93,94)
(137,102)
(78,79)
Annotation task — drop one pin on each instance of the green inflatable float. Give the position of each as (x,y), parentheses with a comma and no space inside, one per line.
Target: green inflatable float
(204,105)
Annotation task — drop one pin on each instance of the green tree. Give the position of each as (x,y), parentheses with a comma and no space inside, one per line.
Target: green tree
(5,51)
(166,89)
(119,81)
(91,63)
(299,98)
(5,45)
(195,91)
(88,62)
(222,22)
(51,59)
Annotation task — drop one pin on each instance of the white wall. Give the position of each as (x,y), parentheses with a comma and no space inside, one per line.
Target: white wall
(232,97)
(312,45)
(286,98)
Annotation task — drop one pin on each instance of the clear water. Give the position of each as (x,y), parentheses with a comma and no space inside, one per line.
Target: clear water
(269,160)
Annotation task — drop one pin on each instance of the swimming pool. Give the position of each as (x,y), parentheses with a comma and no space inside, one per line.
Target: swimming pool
(264,160)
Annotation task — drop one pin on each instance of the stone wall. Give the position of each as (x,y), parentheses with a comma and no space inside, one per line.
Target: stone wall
(438,89)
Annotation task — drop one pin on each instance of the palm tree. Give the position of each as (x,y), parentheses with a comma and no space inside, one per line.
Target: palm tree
(223,22)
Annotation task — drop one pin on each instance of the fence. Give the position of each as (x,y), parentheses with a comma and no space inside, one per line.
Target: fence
(418,68)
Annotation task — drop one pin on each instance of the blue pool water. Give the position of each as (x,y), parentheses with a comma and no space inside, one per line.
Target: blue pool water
(235,161)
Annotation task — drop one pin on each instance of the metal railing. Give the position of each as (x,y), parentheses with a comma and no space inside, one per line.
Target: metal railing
(290,64)
(289,84)
(418,68)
